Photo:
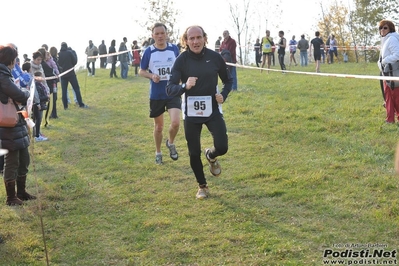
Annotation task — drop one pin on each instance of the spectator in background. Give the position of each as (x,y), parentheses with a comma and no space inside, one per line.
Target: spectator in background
(48,73)
(129,53)
(258,53)
(54,57)
(14,139)
(267,45)
(318,47)
(147,43)
(73,91)
(38,72)
(21,79)
(282,44)
(388,64)
(333,49)
(303,46)
(67,60)
(292,45)
(231,45)
(326,50)
(136,57)
(102,49)
(273,55)
(91,50)
(36,106)
(39,107)
(123,59)
(26,58)
(217,44)
(345,55)
(112,59)
(323,54)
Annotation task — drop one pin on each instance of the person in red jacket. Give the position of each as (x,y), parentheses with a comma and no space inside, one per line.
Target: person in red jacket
(230,45)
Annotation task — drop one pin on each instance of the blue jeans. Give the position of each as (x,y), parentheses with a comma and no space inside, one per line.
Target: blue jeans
(124,69)
(91,70)
(75,86)
(233,72)
(304,58)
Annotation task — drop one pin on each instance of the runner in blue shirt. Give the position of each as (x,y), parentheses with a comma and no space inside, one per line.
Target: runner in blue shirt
(156,65)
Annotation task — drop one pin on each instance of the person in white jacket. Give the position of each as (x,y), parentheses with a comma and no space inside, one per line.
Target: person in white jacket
(388,64)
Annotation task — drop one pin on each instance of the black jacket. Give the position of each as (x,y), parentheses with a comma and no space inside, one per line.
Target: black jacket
(49,72)
(13,138)
(67,59)
(112,50)
(208,67)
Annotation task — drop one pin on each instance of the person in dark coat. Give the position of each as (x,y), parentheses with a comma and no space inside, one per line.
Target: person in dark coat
(14,139)
(67,60)
(102,49)
(112,59)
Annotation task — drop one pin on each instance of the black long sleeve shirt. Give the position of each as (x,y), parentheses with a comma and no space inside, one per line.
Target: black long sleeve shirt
(207,66)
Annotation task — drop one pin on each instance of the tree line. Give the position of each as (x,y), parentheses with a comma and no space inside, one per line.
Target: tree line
(354,24)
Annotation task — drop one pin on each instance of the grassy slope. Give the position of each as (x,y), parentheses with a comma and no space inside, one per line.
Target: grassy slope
(309,166)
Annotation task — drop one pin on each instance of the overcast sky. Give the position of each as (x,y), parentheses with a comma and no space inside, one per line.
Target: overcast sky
(33,23)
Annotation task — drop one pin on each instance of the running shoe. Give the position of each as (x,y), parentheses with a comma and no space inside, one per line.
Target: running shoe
(214,166)
(40,138)
(203,192)
(172,150)
(158,159)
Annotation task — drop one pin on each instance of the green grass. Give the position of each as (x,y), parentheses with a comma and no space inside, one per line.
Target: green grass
(309,166)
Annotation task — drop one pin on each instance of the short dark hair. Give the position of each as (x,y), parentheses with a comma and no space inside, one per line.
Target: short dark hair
(37,54)
(317,33)
(158,24)
(7,55)
(26,66)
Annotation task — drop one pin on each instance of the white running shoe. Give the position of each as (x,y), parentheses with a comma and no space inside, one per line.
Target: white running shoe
(40,138)
(202,193)
(214,166)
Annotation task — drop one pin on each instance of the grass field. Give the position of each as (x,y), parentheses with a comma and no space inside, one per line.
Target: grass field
(309,168)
